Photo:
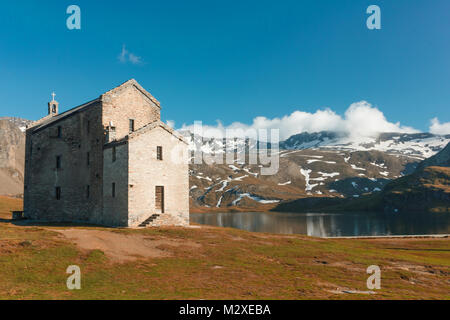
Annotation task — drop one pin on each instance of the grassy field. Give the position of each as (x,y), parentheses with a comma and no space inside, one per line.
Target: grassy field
(211,263)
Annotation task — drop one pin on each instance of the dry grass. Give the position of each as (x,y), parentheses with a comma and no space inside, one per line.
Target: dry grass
(9,204)
(215,263)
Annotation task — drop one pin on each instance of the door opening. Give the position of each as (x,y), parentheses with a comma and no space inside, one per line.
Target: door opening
(159,199)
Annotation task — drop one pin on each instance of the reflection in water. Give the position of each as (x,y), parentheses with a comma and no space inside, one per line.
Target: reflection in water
(329,225)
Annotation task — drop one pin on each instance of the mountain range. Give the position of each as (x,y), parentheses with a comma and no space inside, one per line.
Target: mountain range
(321,165)
(419,145)
(312,165)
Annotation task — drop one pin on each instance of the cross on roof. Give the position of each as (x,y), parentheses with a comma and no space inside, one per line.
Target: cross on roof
(53,96)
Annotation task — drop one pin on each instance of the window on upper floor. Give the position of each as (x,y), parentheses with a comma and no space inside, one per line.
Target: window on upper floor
(114,154)
(159,153)
(58,162)
(113,191)
(59,134)
(131,125)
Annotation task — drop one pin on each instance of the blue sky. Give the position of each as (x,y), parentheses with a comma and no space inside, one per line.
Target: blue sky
(231,60)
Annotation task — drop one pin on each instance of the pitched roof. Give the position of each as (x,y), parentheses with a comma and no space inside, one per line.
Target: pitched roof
(148,127)
(44,122)
(39,124)
(137,86)
(155,124)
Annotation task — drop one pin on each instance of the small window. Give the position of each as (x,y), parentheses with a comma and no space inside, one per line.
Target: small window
(159,154)
(131,125)
(88,158)
(88,191)
(113,154)
(58,162)
(59,132)
(54,108)
(58,193)
(113,190)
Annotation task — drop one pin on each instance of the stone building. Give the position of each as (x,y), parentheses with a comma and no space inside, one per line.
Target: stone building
(110,161)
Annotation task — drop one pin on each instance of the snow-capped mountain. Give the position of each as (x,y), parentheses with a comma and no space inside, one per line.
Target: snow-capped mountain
(419,145)
(302,173)
(213,145)
(322,164)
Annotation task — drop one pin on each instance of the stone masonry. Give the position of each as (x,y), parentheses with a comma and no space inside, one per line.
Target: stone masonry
(110,161)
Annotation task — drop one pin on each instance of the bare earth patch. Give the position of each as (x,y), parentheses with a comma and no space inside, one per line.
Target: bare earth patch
(349,291)
(121,247)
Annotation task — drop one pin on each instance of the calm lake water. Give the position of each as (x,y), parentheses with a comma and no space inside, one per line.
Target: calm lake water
(330,225)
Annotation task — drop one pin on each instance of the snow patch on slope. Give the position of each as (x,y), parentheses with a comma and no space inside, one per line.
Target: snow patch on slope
(305,173)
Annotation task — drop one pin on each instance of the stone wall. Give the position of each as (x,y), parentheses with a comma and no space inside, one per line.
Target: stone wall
(146,172)
(75,174)
(115,209)
(135,172)
(125,103)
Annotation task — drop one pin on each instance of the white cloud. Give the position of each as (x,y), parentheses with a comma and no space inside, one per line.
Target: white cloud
(134,59)
(126,56)
(123,55)
(360,120)
(439,128)
(170,123)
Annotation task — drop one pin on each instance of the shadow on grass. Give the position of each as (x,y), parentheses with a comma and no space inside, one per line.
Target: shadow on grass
(34,223)
(418,249)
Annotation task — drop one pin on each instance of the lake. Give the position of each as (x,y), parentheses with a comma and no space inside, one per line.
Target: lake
(330,225)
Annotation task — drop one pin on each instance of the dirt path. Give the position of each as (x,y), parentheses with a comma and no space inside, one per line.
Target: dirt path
(120,247)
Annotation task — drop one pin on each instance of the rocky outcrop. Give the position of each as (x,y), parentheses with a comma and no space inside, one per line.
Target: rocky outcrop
(12,155)
(441,159)
(427,189)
